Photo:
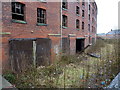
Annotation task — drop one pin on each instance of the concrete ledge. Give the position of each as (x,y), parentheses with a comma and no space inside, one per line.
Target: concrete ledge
(80,37)
(64,9)
(72,35)
(54,34)
(64,27)
(78,29)
(19,21)
(77,14)
(5,33)
(41,24)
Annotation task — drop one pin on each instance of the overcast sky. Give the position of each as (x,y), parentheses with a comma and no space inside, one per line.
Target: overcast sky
(107,15)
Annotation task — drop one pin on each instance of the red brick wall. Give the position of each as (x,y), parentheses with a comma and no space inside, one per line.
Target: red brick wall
(31,30)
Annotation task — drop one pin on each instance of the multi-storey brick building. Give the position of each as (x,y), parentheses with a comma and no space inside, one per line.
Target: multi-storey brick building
(41,30)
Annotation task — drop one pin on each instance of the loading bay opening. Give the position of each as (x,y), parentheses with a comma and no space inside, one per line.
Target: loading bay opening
(79,45)
(29,51)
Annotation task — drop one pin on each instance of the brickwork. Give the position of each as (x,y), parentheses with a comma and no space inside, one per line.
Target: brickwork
(52,30)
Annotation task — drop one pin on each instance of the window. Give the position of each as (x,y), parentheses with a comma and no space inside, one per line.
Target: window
(64,22)
(83,13)
(18,11)
(42,1)
(41,16)
(64,4)
(78,1)
(77,24)
(89,39)
(89,16)
(92,29)
(89,7)
(77,10)
(92,20)
(82,25)
(83,3)
(88,27)
(93,11)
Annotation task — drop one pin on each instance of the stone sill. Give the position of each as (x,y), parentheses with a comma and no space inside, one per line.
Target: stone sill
(64,27)
(19,21)
(77,14)
(65,9)
(41,24)
(78,29)
(5,33)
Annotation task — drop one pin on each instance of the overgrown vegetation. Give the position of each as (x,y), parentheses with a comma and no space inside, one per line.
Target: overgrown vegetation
(75,71)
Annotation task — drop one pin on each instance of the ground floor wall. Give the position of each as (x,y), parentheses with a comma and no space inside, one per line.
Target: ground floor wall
(56,48)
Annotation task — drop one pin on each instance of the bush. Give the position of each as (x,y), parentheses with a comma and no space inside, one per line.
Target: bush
(10,76)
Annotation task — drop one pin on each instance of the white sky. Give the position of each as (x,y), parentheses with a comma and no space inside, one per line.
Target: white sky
(107,15)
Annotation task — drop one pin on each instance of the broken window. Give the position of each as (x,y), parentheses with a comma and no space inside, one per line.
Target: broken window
(92,20)
(64,4)
(88,27)
(77,10)
(18,11)
(93,11)
(82,25)
(64,22)
(77,24)
(92,29)
(83,3)
(89,7)
(89,16)
(78,1)
(83,13)
(41,16)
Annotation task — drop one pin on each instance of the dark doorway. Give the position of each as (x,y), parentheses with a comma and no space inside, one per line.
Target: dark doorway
(66,45)
(79,45)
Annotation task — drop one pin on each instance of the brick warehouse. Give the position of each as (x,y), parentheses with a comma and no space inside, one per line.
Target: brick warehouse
(32,31)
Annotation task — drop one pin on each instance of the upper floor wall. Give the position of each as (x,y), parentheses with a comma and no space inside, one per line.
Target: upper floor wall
(43,18)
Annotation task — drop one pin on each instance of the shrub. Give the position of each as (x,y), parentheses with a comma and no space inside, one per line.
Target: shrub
(10,76)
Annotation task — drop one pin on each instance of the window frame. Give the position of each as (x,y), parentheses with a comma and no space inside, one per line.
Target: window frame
(93,11)
(18,10)
(41,16)
(83,13)
(77,24)
(89,17)
(64,4)
(89,27)
(89,7)
(83,3)
(83,24)
(77,10)
(64,21)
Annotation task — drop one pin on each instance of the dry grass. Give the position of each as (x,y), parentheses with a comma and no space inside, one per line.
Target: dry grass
(77,71)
